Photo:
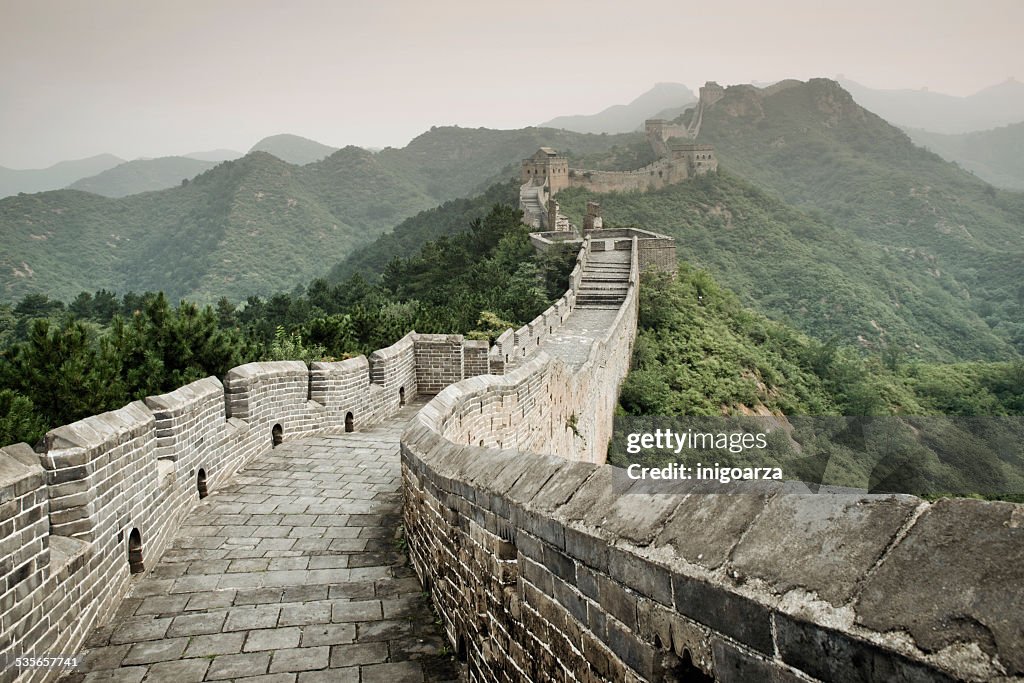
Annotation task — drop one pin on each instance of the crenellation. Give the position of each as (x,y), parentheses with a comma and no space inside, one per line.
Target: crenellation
(679,158)
(542,569)
(68,514)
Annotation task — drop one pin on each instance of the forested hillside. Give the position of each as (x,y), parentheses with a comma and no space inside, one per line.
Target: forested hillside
(142,175)
(258,225)
(294,149)
(410,235)
(814,147)
(13,181)
(996,156)
(60,363)
(798,267)
(253,226)
(699,352)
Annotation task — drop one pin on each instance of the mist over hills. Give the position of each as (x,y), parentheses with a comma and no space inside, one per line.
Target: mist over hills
(811,145)
(142,175)
(255,225)
(294,149)
(13,181)
(997,105)
(996,156)
(824,215)
(216,155)
(664,99)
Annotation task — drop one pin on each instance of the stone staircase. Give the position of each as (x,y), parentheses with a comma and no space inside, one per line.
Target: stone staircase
(532,206)
(605,280)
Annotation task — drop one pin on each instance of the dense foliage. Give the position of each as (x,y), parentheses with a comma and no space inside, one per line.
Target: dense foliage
(63,363)
(142,175)
(700,352)
(255,225)
(813,146)
(996,155)
(410,235)
(799,267)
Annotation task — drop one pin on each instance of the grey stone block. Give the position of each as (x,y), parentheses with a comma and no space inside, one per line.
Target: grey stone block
(180,671)
(724,611)
(707,526)
(957,576)
(835,657)
(272,639)
(237,666)
(641,575)
(733,665)
(823,543)
(300,659)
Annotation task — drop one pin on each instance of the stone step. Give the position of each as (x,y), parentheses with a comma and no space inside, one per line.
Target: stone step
(609,285)
(588,300)
(607,268)
(604,277)
(606,274)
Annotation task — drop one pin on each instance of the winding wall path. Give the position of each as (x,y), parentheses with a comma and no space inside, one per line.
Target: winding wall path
(292,572)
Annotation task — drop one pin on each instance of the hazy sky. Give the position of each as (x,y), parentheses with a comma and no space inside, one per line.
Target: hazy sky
(152,78)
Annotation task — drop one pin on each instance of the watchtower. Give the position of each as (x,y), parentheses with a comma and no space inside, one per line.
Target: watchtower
(546,167)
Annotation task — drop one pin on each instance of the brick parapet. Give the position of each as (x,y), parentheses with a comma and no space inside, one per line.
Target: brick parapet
(545,567)
(67,514)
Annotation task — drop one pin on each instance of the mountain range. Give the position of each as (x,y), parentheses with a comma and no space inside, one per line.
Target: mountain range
(255,225)
(825,216)
(13,181)
(111,176)
(294,149)
(996,156)
(664,100)
(997,105)
(142,175)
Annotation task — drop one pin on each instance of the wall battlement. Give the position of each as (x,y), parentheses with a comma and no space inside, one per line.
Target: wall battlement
(546,172)
(544,565)
(105,496)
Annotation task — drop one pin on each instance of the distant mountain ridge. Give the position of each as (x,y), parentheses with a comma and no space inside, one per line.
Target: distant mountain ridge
(997,105)
(255,225)
(13,181)
(142,175)
(662,99)
(996,156)
(215,155)
(811,144)
(294,149)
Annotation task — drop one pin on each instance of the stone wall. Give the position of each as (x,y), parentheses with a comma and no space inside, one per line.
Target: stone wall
(659,131)
(542,564)
(108,491)
(654,176)
(654,250)
(550,568)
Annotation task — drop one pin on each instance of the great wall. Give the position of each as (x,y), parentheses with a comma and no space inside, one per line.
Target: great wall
(678,157)
(245,530)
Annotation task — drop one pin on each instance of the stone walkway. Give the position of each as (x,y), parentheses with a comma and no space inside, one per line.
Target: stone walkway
(292,574)
(602,291)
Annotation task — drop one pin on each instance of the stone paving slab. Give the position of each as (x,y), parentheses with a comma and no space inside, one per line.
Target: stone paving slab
(292,574)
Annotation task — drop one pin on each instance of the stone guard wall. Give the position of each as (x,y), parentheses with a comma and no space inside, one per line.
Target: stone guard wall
(654,176)
(542,568)
(67,514)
